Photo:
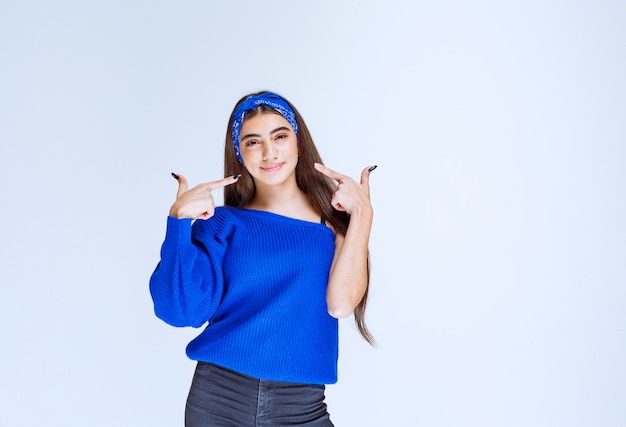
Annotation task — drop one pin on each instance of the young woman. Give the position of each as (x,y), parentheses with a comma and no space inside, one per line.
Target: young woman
(269,273)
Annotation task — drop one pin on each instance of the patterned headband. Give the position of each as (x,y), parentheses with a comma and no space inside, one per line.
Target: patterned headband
(267,98)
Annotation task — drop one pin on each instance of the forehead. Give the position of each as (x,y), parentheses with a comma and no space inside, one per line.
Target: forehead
(267,121)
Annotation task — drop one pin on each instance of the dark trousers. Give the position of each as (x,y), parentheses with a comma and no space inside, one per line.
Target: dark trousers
(220,397)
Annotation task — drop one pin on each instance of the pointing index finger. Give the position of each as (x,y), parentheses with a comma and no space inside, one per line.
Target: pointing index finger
(329,172)
(220,183)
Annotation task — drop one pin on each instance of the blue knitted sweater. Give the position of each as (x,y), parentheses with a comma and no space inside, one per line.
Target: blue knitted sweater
(258,280)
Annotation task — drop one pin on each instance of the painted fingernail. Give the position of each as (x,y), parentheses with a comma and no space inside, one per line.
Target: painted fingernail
(175,176)
(237,176)
(372,168)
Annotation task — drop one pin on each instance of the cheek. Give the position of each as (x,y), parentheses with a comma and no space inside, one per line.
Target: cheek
(248,157)
(249,170)
(293,149)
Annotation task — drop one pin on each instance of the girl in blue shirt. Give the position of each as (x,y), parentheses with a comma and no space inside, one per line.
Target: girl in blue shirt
(268,274)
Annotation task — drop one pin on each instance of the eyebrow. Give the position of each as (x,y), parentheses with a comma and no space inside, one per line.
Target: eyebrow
(256,135)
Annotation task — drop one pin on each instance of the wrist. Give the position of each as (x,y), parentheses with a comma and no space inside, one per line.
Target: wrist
(175,212)
(363,214)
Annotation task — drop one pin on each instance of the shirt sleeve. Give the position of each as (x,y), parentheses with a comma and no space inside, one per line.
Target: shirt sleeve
(187,284)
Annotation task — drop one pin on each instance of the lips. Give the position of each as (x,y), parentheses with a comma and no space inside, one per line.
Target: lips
(272,168)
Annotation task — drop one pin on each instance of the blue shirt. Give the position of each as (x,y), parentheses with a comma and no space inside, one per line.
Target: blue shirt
(258,280)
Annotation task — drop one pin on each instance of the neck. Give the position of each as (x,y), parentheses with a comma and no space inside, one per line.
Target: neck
(272,197)
(287,200)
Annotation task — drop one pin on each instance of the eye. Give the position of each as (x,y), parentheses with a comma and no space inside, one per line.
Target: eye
(251,143)
(281,136)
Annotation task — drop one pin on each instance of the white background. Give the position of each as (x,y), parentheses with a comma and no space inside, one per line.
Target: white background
(499,244)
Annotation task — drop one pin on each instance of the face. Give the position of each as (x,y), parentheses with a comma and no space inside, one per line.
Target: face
(269,148)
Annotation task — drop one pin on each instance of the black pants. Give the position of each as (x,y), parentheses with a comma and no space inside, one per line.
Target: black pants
(220,397)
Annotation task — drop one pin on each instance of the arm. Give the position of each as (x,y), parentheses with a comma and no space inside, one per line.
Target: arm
(186,285)
(347,280)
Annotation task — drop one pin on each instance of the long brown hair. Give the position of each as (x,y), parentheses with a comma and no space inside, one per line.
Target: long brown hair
(317,187)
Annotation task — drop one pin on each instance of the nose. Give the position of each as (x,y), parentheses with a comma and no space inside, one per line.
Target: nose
(270,151)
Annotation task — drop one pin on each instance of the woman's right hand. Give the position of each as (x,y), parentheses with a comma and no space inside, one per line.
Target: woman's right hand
(198,202)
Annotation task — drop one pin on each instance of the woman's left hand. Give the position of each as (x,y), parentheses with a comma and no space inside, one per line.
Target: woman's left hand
(349,196)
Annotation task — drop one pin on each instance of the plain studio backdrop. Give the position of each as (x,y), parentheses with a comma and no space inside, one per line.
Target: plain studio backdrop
(499,243)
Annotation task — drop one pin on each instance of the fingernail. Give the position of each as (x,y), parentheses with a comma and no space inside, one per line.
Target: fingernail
(237,176)
(175,176)
(372,168)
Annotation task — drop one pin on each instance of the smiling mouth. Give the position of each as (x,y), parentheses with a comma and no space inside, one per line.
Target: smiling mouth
(272,168)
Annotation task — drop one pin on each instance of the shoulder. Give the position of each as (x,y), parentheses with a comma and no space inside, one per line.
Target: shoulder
(223,221)
(228,218)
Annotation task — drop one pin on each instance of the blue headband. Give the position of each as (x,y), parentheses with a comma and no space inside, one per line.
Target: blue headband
(271,100)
